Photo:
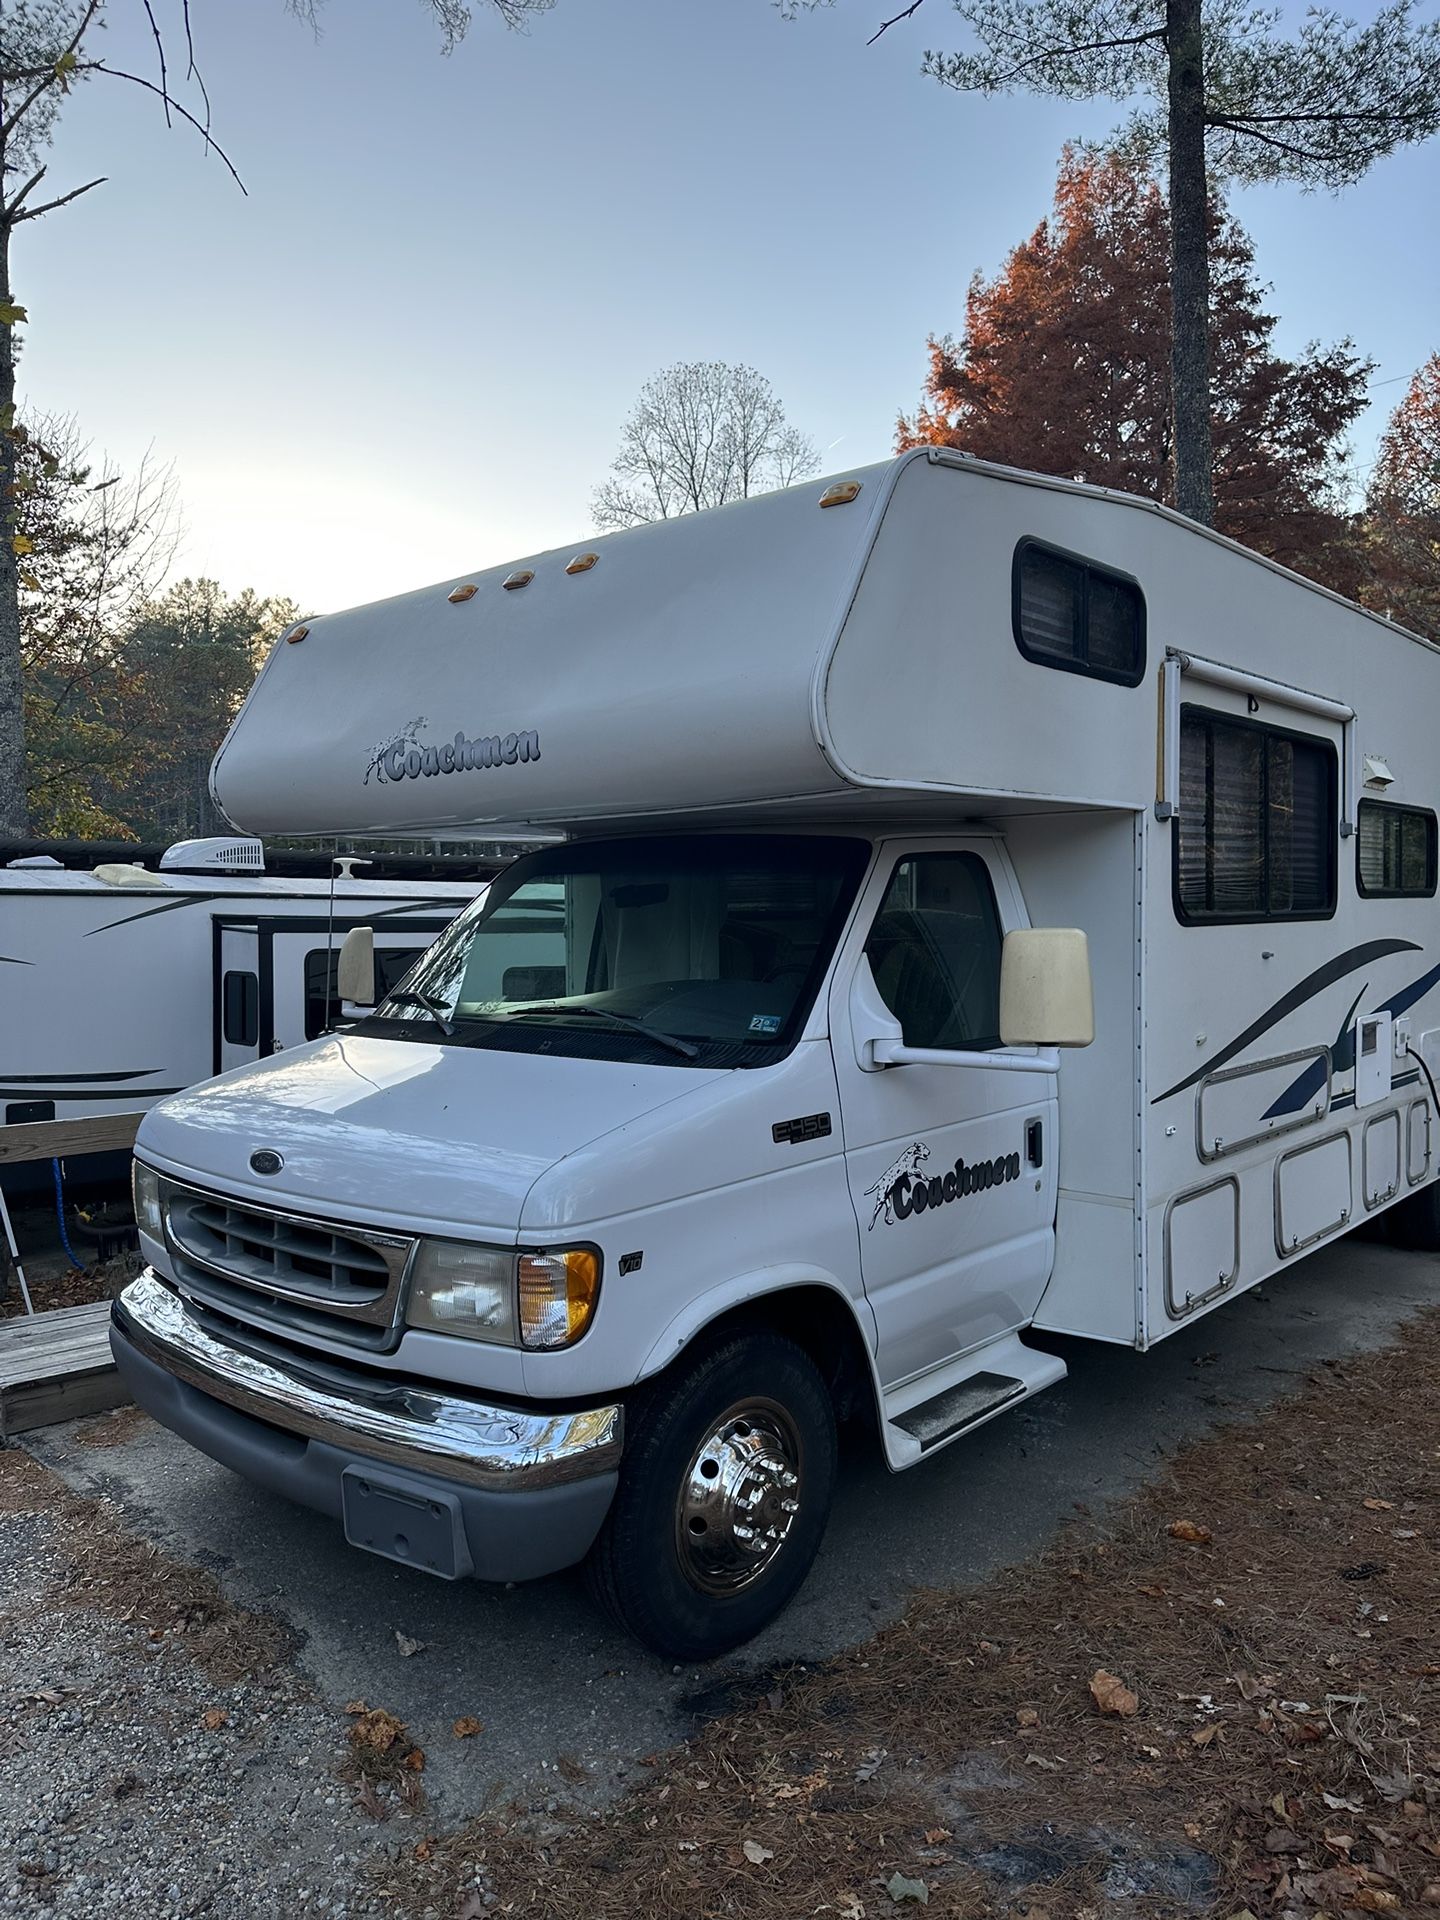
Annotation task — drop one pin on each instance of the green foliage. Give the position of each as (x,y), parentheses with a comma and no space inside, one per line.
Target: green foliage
(1318,107)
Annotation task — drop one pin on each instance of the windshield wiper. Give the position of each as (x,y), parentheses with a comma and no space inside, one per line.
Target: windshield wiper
(671,1040)
(435,1008)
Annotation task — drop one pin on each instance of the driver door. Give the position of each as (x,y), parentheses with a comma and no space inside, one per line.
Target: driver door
(951,1169)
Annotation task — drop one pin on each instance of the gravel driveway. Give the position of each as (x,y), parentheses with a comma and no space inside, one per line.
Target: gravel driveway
(180,1650)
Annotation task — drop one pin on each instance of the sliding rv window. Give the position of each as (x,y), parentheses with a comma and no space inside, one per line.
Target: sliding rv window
(1070,613)
(1394,850)
(1256,832)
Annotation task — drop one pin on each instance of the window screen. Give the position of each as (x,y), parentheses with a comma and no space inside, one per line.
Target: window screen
(1256,832)
(935,951)
(1070,613)
(1394,850)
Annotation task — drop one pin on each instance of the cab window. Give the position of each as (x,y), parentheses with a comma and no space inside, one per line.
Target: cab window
(935,951)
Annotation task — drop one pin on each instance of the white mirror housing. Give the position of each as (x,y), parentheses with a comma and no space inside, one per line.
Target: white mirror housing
(355,975)
(1046,998)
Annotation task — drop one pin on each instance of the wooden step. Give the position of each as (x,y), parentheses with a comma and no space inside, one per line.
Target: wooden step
(56,1366)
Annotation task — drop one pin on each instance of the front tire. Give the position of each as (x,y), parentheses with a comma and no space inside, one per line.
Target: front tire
(724,1493)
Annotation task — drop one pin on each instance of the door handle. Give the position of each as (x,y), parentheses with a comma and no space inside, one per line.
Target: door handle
(1035,1142)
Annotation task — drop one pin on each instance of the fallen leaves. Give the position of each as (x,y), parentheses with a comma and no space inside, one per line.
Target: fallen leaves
(1112,1695)
(1190,1530)
(467,1726)
(214,1718)
(901,1889)
(408,1647)
(755,1853)
(374,1728)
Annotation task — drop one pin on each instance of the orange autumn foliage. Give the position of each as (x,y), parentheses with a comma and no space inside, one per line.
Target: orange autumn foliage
(1064,367)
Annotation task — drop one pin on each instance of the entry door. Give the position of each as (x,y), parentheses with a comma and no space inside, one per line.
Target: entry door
(951,1168)
(237,996)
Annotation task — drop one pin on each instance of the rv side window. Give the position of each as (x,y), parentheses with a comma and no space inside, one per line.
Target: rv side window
(1255,838)
(935,951)
(240,1008)
(1394,850)
(1070,613)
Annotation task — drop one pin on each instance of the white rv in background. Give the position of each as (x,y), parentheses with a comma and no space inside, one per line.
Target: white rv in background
(989,907)
(121,983)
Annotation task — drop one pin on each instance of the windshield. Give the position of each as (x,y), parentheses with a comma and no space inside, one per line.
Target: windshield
(695,950)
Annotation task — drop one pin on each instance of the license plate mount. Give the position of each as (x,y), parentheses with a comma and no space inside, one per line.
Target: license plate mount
(406,1521)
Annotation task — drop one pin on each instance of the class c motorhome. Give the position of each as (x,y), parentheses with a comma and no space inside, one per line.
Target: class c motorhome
(988,907)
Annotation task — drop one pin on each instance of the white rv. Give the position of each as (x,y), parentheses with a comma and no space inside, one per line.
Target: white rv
(121,982)
(740,1110)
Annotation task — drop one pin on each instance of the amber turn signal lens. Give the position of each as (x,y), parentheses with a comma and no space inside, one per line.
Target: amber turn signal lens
(557,1296)
(467,592)
(582,563)
(521,578)
(293,639)
(841,494)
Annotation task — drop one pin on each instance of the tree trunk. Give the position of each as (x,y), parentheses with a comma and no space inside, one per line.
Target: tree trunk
(1189,264)
(14,815)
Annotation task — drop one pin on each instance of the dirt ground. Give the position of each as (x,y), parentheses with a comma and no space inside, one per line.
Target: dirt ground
(1222,1701)
(1218,1699)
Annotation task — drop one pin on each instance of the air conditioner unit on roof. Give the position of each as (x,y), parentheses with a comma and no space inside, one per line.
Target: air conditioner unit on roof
(222,854)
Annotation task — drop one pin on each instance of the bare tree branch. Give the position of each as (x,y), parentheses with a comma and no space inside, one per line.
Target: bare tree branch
(894,21)
(160,50)
(49,206)
(138,80)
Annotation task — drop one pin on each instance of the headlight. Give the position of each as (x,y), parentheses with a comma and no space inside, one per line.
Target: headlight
(145,1192)
(557,1296)
(455,1288)
(537,1300)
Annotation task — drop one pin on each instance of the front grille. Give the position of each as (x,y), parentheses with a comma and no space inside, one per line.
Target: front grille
(326,1267)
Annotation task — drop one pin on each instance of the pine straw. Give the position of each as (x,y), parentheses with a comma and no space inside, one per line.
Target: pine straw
(98,1566)
(1292,1656)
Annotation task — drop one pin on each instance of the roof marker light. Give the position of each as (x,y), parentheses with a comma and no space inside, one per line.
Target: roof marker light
(520,578)
(467,592)
(841,494)
(295,636)
(582,563)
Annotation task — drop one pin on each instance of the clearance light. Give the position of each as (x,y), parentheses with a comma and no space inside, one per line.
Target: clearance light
(520,578)
(557,1296)
(467,592)
(582,563)
(293,639)
(841,494)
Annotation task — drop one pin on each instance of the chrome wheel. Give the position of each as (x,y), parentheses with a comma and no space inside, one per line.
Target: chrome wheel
(739,1497)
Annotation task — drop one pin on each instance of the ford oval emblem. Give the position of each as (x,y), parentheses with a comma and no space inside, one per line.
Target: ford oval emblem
(265,1160)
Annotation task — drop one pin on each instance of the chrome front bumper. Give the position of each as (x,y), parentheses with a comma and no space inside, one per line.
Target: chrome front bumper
(382,1419)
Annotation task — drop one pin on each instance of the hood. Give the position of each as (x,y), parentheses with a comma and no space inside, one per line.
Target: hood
(402,1134)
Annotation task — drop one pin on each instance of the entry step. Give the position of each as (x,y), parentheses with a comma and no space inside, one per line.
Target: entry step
(56,1366)
(936,1420)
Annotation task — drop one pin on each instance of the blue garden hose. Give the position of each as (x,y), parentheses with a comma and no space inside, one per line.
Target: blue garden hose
(60,1216)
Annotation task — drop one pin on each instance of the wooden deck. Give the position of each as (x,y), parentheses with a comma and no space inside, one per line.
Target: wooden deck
(56,1366)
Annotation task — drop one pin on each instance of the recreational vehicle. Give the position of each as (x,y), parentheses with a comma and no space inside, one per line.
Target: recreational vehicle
(127,978)
(988,908)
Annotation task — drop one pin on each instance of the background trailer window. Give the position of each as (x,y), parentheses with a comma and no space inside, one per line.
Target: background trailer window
(1075,615)
(1255,838)
(1394,850)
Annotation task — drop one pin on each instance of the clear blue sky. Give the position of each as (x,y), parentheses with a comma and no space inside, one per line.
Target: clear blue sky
(409,351)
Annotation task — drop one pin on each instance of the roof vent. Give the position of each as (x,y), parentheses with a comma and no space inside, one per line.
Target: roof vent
(219,855)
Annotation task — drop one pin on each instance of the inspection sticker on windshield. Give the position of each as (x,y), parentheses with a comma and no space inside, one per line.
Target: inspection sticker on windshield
(766,1023)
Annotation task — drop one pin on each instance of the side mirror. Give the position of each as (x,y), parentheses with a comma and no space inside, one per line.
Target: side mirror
(355,975)
(1046,999)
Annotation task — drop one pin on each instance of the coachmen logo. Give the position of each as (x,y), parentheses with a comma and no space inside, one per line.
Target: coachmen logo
(903,1189)
(405,756)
